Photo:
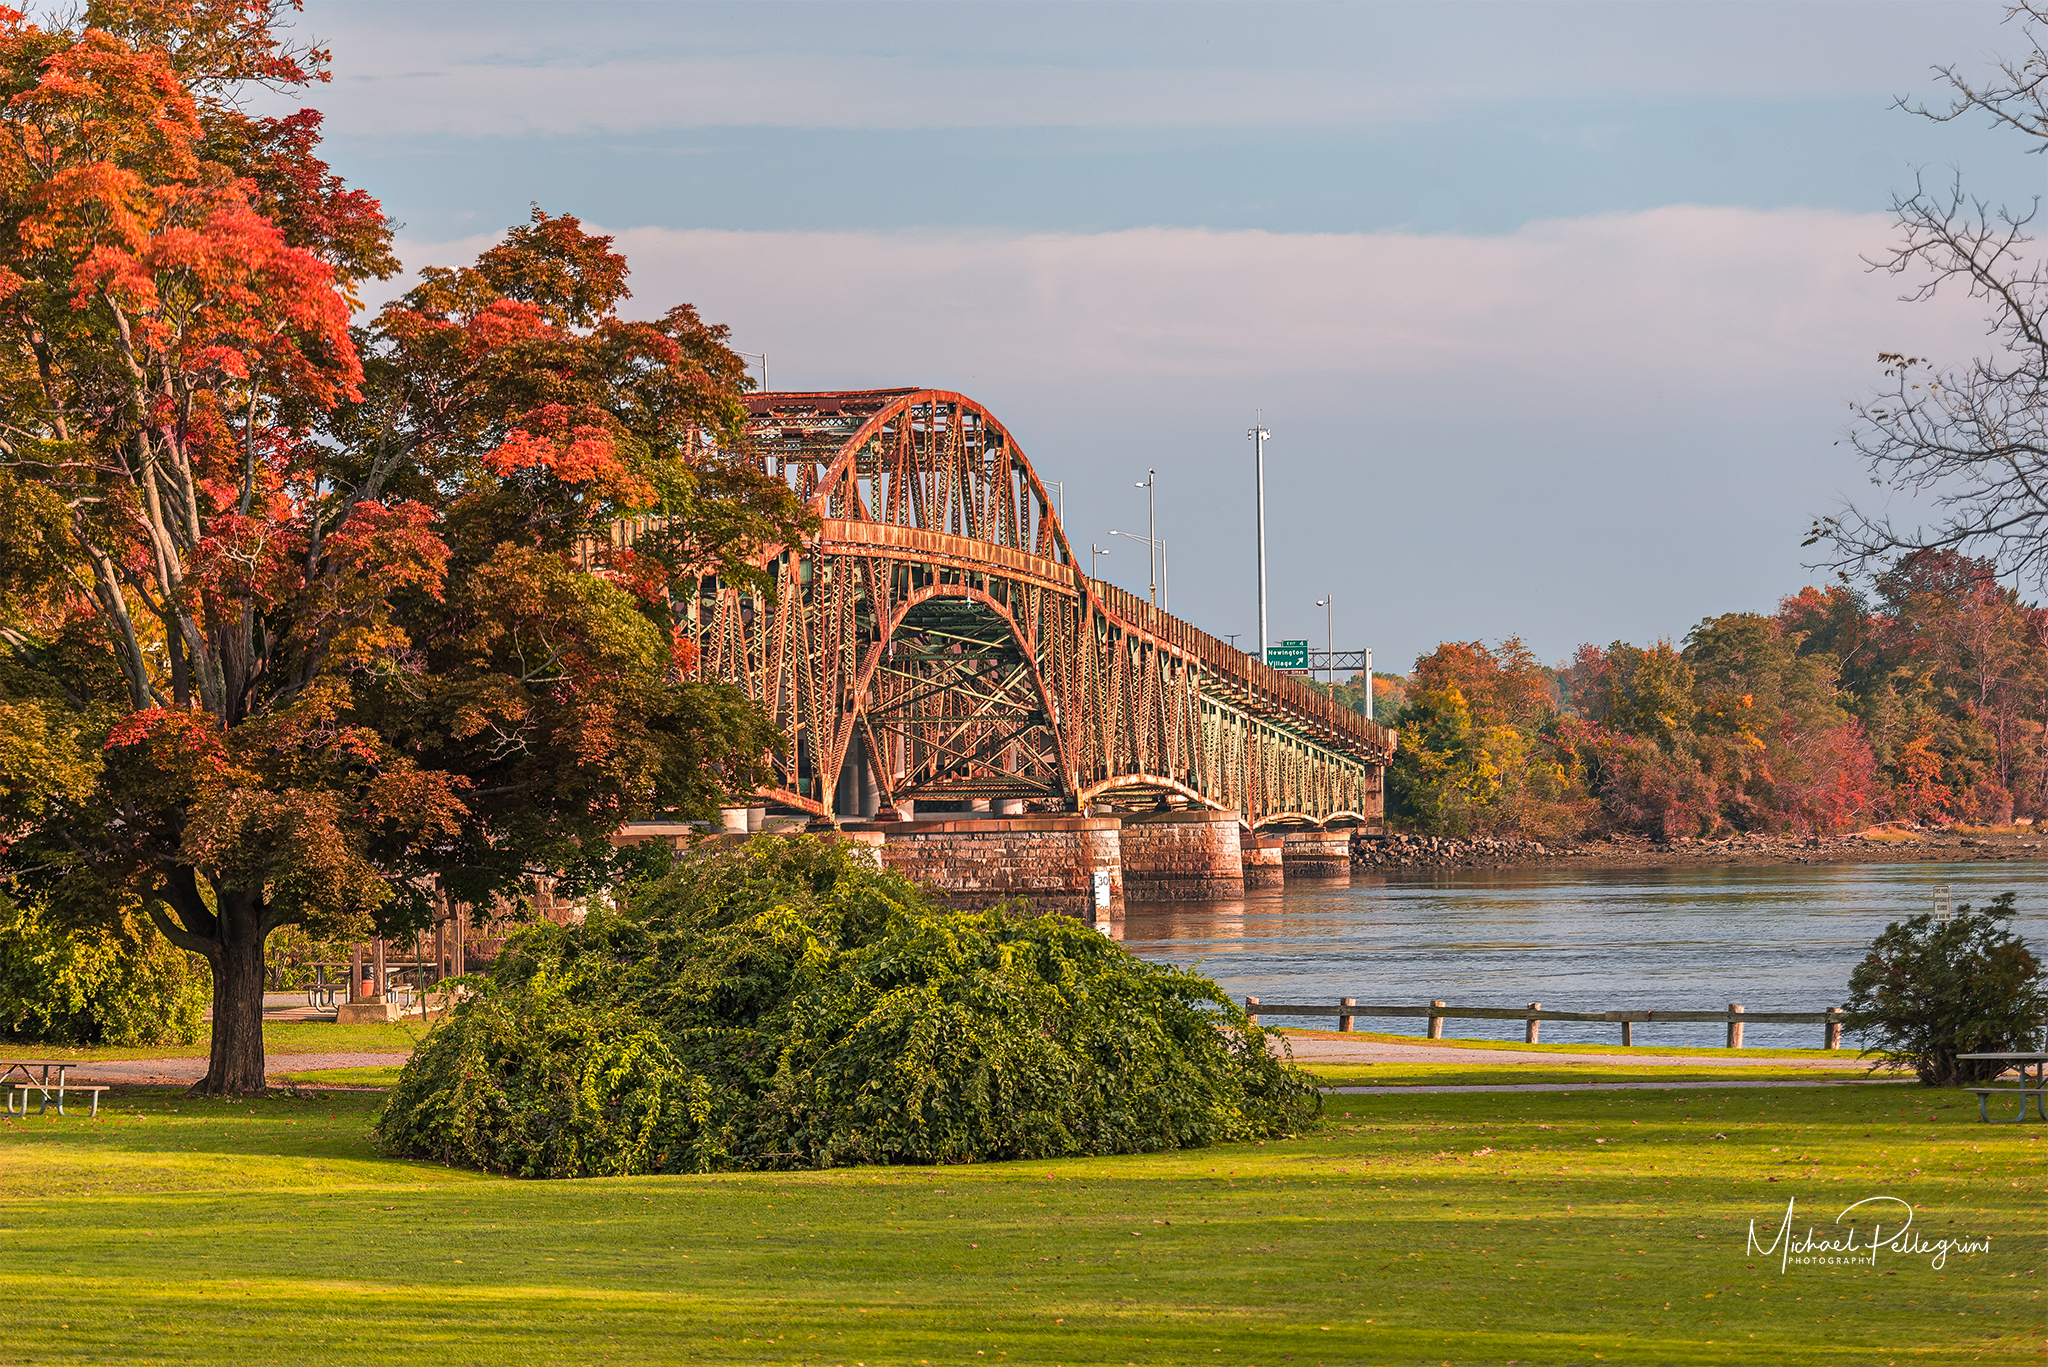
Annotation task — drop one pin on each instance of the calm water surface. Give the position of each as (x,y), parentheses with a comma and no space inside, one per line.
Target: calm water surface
(1774,939)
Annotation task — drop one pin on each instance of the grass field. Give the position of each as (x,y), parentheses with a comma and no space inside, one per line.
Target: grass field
(335,1077)
(1528,1228)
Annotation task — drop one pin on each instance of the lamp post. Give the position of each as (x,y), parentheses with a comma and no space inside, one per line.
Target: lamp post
(1161,597)
(1330,626)
(1149,485)
(1258,436)
(1061,486)
(1095,553)
(764,366)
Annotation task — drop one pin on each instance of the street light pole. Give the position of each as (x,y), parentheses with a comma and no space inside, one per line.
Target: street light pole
(1330,656)
(1152,532)
(1258,436)
(764,366)
(1095,553)
(1162,598)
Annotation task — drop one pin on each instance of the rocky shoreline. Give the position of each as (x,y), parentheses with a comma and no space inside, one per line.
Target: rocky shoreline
(1889,845)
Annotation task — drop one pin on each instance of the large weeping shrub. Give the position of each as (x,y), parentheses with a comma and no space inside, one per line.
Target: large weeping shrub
(787,1006)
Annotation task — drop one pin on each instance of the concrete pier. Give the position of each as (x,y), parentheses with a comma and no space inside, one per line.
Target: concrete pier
(1262,855)
(1080,866)
(1183,856)
(1072,865)
(1316,854)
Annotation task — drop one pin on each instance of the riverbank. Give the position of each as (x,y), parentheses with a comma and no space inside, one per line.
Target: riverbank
(1879,845)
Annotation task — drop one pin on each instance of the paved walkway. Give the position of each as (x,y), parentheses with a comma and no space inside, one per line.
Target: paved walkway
(1317,1049)
(170,1072)
(1323,1049)
(1608,1086)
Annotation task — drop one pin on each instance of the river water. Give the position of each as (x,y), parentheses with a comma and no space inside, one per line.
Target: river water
(1688,938)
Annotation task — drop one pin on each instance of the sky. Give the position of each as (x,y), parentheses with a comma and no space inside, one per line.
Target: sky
(1554,311)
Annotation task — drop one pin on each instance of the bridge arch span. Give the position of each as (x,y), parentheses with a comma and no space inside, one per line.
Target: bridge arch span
(938,630)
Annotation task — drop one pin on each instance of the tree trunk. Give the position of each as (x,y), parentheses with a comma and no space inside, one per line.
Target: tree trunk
(235,1067)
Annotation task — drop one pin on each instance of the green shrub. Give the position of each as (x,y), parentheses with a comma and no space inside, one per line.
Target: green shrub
(1928,992)
(786,1006)
(122,984)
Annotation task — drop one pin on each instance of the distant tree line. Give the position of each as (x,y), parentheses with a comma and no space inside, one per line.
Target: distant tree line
(1923,699)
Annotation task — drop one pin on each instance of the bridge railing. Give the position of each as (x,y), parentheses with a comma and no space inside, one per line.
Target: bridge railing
(1252,676)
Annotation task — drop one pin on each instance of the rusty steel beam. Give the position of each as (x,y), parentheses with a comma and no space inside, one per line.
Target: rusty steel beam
(1008,671)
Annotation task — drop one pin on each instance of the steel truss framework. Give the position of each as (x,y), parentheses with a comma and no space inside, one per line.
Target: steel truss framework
(938,639)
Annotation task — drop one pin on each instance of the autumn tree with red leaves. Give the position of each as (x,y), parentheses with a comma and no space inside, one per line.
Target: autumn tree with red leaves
(300,619)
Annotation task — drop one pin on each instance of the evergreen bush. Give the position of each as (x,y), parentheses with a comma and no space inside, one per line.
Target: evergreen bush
(1928,992)
(787,1006)
(119,983)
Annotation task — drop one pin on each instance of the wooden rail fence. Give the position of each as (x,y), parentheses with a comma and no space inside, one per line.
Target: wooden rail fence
(1436,1013)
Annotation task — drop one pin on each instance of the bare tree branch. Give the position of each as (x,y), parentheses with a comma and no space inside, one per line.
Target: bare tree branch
(1972,440)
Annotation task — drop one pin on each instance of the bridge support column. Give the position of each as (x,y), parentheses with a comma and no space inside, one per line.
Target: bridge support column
(1070,865)
(1262,867)
(1184,856)
(1316,854)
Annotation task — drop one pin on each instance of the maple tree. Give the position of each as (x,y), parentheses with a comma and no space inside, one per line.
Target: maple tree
(1922,698)
(1478,750)
(301,618)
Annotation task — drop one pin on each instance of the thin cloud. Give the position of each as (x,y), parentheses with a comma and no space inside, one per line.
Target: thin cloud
(464,70)
(1664,305)
(1587,429)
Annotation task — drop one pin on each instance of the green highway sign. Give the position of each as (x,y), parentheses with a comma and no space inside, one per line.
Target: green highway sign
(1288,655)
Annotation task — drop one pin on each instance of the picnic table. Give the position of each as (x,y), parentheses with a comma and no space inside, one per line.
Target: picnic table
(325,994)
(2035,1059)
(35,1075)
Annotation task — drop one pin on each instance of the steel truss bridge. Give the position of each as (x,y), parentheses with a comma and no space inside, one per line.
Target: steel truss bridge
(938,642)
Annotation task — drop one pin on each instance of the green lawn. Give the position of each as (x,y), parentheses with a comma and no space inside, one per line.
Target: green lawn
(1407,1229)
(335,1077)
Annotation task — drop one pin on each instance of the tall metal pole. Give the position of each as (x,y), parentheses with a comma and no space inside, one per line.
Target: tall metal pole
(1258,436)
(1095,553)
(764,367)
(1151,534)
(1368,683)
(1330,626)
(1163,597)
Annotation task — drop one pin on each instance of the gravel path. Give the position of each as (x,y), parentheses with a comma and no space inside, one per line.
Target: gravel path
(172,1071)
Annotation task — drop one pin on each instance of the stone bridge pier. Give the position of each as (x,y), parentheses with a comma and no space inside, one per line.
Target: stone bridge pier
(1090,867)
